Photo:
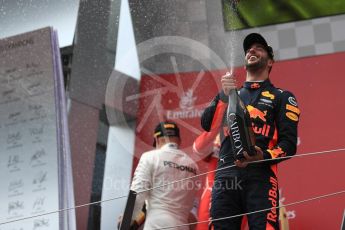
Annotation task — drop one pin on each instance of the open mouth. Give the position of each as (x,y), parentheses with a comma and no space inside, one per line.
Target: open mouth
(252,58)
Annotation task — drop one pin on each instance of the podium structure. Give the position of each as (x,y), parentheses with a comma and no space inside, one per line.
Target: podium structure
(35,159)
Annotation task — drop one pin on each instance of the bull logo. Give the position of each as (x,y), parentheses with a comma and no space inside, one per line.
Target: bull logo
(255,85)
(256,113)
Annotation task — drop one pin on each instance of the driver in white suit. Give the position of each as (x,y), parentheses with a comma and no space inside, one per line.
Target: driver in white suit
(168,205)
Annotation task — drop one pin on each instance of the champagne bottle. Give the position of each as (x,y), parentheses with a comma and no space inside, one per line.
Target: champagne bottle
(240,128)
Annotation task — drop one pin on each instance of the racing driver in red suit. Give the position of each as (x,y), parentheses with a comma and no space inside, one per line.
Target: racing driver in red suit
(245,186)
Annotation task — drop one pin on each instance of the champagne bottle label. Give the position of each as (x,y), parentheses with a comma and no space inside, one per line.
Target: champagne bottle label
(240,128)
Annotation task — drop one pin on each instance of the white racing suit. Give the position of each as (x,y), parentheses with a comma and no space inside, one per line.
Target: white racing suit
(168,205)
